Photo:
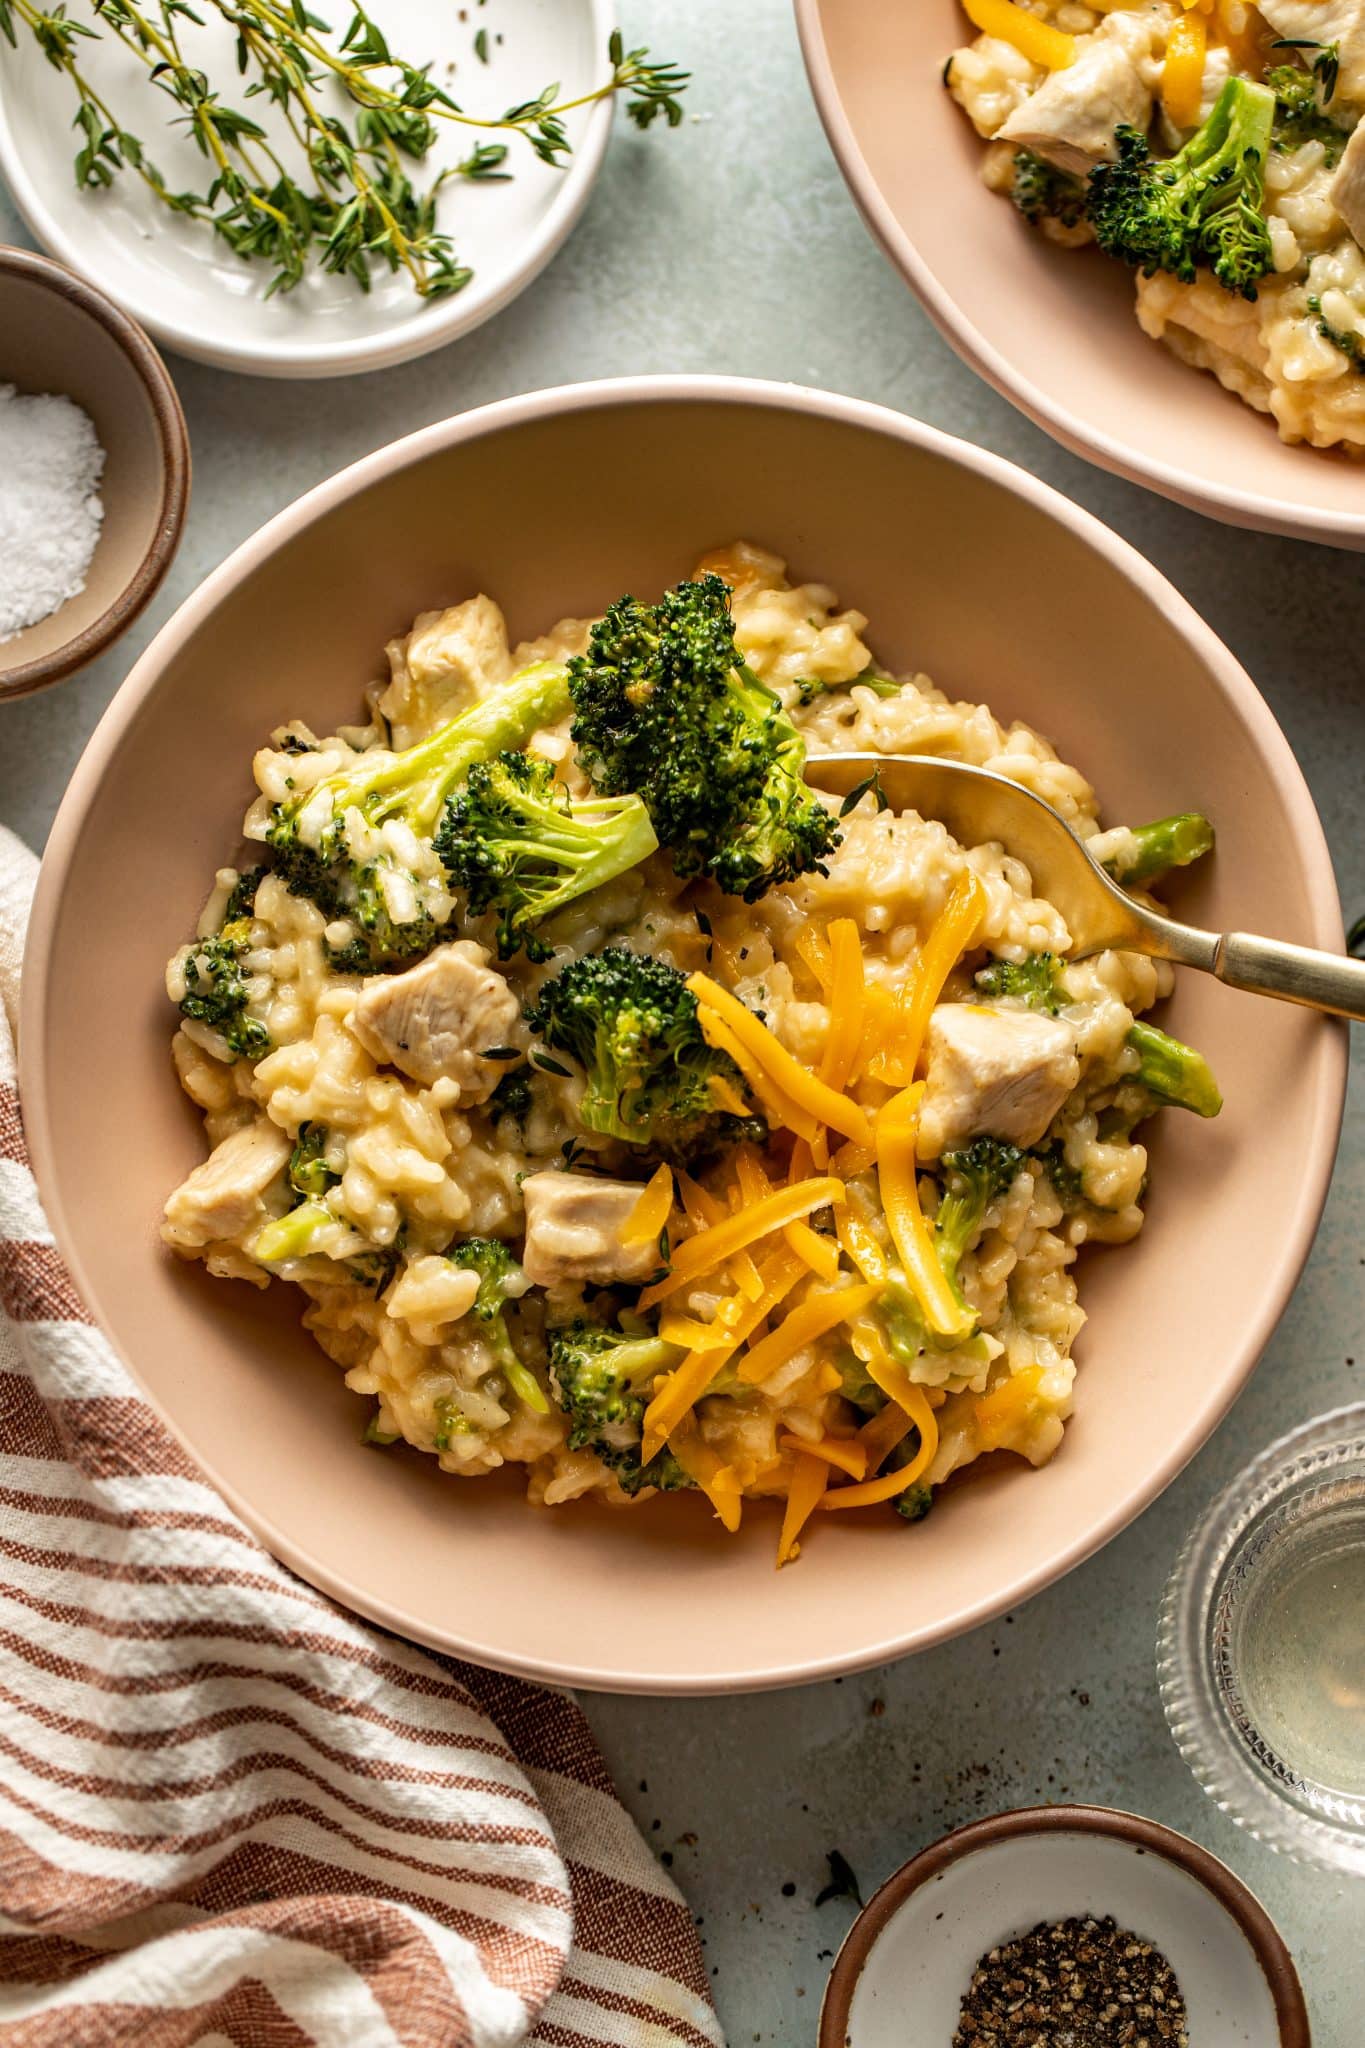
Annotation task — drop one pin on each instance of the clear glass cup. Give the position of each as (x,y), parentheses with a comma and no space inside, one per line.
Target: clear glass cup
(1261,1650)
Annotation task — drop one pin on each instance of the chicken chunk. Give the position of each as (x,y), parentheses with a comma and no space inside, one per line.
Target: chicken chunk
(1002,1073)
(574,1224)
(1348,186)
(440,1019)
(223,1197)
(447,662)
(1071,118)
(1326,21)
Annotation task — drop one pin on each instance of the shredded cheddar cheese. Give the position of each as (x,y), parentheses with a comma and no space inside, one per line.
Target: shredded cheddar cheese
(949,937)
(897,1131)
(1037,40)
(817,1315)
(846,1453)
(712,1247)
(1182,75)
(651,1212)
(810,1477)
(818,1103)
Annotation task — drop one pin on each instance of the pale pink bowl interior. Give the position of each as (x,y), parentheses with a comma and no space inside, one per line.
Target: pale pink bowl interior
(554,504)
(1052,329)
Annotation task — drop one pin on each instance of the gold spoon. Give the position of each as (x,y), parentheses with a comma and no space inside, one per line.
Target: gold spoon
(979,806)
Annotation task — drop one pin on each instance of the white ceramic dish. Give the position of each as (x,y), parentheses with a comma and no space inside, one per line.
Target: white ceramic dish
(1051,329)
(187,288)
(913,1949)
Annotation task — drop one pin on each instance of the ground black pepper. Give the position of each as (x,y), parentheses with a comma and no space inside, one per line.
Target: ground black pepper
(1074,1984)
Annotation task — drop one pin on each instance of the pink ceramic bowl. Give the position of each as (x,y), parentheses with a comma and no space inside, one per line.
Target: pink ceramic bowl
(555,503)
(1051,329)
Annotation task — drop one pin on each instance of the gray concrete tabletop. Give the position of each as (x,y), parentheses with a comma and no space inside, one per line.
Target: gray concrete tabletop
(743,1798)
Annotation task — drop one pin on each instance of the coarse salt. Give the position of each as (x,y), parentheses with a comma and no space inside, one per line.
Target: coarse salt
(50,508)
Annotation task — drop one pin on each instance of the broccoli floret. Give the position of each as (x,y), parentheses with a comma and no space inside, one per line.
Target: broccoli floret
(665,706)
(1174,1076)
(1202,207)
(914,1504)
(1065,1178)
(973,1178)
(309,1173)
(1167,843)
(1343,338)
(1300,108)
(216,988)
(1042,192)
(516,842)
(361,875)
(1035,980)
(242,897)
(632,1024)
(500,1280)
(603,1379)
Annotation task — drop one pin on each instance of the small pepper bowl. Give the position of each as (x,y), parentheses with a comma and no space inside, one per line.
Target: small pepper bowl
(909,1956)
(58,334)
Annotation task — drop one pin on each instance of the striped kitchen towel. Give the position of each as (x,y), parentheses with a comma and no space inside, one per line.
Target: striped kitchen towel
(229,1811)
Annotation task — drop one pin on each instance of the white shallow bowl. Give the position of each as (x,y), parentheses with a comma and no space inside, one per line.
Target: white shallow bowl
(913,1948)
(1052,329)
(186,286)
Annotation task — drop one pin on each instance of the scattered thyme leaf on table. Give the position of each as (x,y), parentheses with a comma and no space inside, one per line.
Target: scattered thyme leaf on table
(342,195)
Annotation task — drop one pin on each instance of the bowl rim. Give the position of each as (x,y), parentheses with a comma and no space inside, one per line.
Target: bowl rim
(24,677)
(1253,509)
(1117,1824)
(443,322)
(1227,674)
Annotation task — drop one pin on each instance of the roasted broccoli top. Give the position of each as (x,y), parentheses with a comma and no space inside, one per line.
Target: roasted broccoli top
(516,842)
(632,1024)
(1035,980)
(1042,192)
(215,985)
(1200,209)
(665,706)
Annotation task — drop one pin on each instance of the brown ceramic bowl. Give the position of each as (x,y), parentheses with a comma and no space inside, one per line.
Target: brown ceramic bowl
(1053,329)
(914,1946)
(1000,589)
(59,334)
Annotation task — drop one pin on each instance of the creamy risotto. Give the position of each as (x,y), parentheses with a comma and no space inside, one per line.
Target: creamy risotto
(625,1110)
(1216,147)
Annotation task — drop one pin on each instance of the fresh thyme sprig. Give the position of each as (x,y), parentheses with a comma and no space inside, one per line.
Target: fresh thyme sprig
(349,201)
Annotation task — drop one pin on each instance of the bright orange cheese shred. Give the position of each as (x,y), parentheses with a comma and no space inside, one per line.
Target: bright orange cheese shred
(651,1212)
(1182,75)
(845,1004)
(684,1386)
(897,1131)
(890,1484)
(817,1315)
(716,1479)
(845,1453)
(712,1247)
(1031,37)
(949,937)
(810,1477)
(812,1097)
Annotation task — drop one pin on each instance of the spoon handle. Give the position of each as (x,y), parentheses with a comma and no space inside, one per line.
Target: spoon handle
(1297,974)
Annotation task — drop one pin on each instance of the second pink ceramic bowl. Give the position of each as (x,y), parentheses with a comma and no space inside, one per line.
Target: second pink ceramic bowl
(554,504)
(1051,328)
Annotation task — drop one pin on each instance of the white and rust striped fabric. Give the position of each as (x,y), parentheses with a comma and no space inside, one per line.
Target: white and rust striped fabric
(230,1813)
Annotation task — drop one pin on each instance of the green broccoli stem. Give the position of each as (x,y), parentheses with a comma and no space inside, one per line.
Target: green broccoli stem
(417,781)
(1166,843)
(1174,1074)
(291,1236)
(506,718)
